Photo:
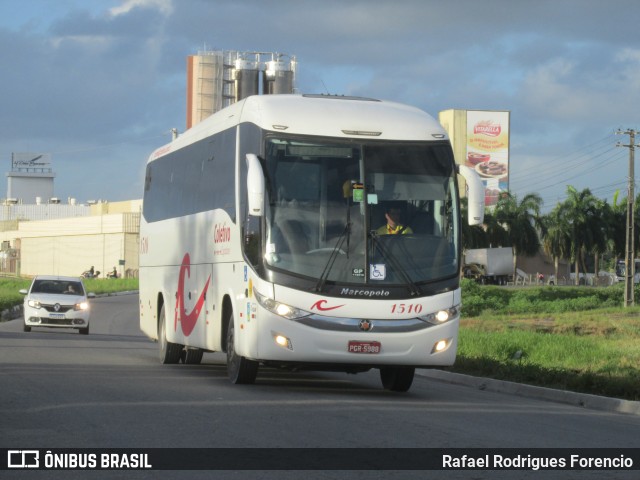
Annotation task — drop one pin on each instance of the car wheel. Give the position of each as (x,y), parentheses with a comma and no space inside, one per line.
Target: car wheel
(397,379)
(239,369)
(169,352)
(26,328)
(84,331)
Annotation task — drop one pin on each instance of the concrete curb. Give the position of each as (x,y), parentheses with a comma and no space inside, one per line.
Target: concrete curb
(11,313)
(585,400)
(116,294)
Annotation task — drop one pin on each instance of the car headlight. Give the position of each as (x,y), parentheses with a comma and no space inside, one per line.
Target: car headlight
(33,303)
(442,316)
(279,308)
(81,306)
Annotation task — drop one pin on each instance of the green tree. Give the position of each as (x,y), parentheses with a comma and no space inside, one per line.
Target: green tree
(556,239)
(618,228)
(521,221)
(600,227)
(497,235)
(580,212)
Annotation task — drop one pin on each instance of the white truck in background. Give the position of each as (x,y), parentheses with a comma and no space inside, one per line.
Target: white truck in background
(488,265)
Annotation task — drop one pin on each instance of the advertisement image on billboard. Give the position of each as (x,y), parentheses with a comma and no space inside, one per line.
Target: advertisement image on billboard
(488,150)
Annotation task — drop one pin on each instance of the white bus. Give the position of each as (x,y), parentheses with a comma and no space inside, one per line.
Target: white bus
(260,238)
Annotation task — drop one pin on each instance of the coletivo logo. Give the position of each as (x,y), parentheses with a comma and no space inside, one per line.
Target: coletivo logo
(221,233)
(488,128)
(320,306)
(188,320)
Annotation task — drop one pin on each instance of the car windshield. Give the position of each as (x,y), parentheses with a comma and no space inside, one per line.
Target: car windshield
(57,287)
(368,213)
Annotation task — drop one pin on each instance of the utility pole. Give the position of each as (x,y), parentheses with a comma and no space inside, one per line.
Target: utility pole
(629,259)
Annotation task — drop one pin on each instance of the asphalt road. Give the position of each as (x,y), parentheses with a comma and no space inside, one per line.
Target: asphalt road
(59,389)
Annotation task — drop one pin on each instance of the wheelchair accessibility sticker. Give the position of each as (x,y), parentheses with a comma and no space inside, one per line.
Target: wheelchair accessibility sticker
(377,271)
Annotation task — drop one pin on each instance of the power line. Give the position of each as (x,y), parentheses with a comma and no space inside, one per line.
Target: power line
(563,167)
(605,192)
(564,180)
(569,161)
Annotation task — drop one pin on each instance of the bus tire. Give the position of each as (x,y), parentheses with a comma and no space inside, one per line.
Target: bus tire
(193,356)
(169,352)
(239,369)
(397,379)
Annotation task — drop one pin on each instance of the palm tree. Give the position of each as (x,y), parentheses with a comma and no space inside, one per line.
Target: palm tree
(618,228)
(556,239)
(497,235)
(521,221)
(617,232)
(600,226)
(580,212)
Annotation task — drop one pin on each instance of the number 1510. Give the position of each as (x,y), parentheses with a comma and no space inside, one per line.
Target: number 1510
(406,308)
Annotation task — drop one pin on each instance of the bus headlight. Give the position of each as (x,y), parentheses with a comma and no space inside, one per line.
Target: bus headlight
(441,345)
(442,316)
(281,309)
(282,341)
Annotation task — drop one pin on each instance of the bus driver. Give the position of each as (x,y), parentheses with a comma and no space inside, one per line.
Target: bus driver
(393,225)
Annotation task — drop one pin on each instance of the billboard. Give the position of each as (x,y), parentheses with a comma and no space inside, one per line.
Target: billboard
(30,162)
(487,150)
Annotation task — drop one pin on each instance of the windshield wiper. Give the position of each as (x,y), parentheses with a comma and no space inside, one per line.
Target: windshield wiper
(346,233)
(390,257)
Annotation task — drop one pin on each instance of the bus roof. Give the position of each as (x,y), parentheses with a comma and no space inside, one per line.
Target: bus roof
(319,115)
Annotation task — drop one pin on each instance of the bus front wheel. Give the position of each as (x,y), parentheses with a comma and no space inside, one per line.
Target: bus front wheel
(397,379)
(239,369)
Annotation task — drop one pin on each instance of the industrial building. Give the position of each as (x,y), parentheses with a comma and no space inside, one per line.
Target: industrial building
(216,79)
(105,238)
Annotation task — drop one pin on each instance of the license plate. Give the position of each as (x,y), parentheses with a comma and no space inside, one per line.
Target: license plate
(56,315)
(364,347)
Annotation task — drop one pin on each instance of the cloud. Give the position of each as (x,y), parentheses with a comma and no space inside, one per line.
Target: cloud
(163,6)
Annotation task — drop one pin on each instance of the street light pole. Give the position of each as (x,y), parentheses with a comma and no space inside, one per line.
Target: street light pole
(629,260)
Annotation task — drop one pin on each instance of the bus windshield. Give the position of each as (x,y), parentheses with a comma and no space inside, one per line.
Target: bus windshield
(377,213)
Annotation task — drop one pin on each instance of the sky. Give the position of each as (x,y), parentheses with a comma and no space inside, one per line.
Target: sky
(99,84)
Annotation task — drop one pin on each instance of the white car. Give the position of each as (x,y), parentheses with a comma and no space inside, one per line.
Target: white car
(54,301)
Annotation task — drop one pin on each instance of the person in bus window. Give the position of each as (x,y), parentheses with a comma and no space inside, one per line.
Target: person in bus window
(393,226)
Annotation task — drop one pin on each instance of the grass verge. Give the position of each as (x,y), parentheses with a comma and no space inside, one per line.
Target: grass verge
(590,365)
(565,341)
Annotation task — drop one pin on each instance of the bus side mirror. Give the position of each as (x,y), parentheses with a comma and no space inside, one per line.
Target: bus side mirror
(255,186)
(475,194)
